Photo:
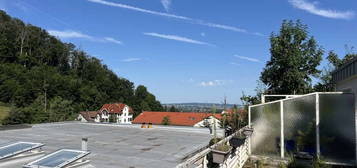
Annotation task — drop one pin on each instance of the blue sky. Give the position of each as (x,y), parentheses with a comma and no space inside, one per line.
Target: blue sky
(187,50)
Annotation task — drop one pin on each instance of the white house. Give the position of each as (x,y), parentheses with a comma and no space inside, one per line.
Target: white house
(114,113)
(209,121)
(88,116)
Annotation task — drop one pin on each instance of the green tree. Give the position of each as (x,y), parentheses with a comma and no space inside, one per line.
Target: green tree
(60,110)
(325,83)
(294,59)
(36,67)
(165,120)
(173,109)
(337,62)
(145,101)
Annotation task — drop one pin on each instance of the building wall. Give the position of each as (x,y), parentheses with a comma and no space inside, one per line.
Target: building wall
(97,118)
(81,118)
(125,117)
(105,116)
(210,120)
(349,85)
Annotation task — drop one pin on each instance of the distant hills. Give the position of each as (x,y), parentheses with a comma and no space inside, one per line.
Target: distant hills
(199,107)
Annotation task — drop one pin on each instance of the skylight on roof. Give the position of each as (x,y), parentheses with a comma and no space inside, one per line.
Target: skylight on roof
(58,159)
(17,148)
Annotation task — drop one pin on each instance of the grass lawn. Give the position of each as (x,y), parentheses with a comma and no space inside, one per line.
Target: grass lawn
(4,111)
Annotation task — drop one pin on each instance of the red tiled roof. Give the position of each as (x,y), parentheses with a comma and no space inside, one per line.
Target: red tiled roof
(116,108)
(176,118)
(89,115)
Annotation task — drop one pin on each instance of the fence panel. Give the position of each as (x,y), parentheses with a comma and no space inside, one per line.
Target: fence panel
(300,124)
(265,120)
(337,128)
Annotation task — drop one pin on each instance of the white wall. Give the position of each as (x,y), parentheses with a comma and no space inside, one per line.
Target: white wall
(81,118)
(97,118)
(210,120)
(125,117)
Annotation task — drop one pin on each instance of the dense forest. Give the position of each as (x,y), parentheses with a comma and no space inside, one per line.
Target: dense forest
(46,80)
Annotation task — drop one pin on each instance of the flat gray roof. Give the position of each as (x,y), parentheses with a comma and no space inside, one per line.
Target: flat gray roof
(113,146)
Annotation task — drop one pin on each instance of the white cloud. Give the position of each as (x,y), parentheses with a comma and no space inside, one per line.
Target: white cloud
(220,26)
(329,13)
(247,58)
(110,39)
(138,9)
(259,34)
(131,59)
(69,34)
(166,4)
(234,63)
(191,20)
(178,38)
(213,83)
(203,34)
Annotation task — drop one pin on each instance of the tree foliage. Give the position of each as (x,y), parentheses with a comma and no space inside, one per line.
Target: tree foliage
(294,59)
(325,83)
(48,80)
(173,109)
(165,120)
(337,62)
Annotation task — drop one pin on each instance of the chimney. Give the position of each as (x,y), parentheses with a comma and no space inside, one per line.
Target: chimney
(84,144)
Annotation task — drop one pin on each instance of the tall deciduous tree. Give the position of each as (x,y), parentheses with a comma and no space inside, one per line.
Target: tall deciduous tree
(294,60)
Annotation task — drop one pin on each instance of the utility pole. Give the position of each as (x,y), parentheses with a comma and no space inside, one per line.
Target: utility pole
(225,102)
(45,89)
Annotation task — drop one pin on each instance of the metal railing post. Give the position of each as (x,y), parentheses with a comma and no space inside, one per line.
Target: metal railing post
(317,108)
(282,145)
(250,126)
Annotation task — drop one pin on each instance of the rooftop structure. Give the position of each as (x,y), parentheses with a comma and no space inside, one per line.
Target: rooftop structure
(346,71)
(159,147)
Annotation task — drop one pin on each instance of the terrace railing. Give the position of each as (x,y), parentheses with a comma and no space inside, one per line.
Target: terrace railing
(236,158)
(320,124)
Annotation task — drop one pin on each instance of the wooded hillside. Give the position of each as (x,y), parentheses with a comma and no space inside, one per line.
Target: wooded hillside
(47,80)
